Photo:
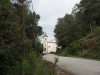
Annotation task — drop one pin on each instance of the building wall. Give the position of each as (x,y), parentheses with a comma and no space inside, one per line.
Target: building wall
(51,47)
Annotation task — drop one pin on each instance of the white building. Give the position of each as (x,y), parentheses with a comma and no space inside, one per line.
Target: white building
(49,46)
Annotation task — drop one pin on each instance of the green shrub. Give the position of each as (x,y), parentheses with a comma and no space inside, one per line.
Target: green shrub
(62,52)
(90,35)
(73,48)
(41,69)
(97,50)
(97,46)
(46,68)
(84,53)
(96,31)
(55,61)
(29,63)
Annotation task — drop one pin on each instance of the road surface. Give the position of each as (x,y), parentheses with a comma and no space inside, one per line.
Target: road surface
(76,66)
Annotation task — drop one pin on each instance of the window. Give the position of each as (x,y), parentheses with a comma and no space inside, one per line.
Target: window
(44,49)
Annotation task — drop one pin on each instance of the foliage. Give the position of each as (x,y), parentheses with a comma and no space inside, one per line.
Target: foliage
(73,48)
(10,37)
(55,61)
(86,14)
(89,45)
(41,69)
(66,30)
(97,46)
(32,25)
(91,35)
(96,31)
(45,67)
(17,53)
(63,52)
(79,33)
(29,63)
(32,30)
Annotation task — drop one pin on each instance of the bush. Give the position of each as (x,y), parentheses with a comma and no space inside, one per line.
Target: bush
(96,31)
(84,53)
(90,35)
(73,48)
(62,52)
(41,69)
(29,63)
(97,46)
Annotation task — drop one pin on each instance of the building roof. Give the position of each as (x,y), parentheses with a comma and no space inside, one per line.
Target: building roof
(45,35)
(54,40)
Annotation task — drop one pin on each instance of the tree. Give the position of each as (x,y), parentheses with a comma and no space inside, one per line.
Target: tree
(87,14)
(33,31)
(17,48)
(66,30)
(32,25)
(10,37)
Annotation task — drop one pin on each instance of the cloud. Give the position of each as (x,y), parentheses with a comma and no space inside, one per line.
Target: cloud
(50,10)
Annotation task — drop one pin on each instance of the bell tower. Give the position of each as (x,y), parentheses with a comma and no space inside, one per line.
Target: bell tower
(45,44)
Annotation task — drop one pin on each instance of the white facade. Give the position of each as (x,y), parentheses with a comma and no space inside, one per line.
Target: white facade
(52,47)
(49,46)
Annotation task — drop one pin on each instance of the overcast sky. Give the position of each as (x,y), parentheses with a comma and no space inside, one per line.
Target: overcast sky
(50,10)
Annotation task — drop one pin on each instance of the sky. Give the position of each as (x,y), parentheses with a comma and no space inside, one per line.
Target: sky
(50,11)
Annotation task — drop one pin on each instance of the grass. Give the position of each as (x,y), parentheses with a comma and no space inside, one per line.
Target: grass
(73,56)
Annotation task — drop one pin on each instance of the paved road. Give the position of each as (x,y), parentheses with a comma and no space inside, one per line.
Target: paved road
(76,66)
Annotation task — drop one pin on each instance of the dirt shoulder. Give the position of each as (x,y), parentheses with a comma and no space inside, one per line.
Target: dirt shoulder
(56,69)
(50,68)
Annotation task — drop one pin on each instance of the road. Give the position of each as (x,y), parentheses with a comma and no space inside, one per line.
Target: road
(76,66)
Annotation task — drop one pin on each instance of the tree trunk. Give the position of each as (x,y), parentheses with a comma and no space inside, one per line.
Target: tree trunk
(91,27)
(35,39)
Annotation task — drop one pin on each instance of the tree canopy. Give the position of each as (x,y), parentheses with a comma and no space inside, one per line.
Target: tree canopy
(84,18)
(15,47)
(66,30)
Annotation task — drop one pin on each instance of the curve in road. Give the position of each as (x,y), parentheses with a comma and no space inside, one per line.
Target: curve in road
(76,66)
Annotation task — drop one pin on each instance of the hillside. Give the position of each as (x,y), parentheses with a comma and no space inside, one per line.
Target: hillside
(88,46)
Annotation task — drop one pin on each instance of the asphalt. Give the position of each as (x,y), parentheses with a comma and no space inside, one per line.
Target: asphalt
(76,66)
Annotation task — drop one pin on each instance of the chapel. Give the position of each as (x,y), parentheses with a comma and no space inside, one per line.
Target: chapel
(50,46)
